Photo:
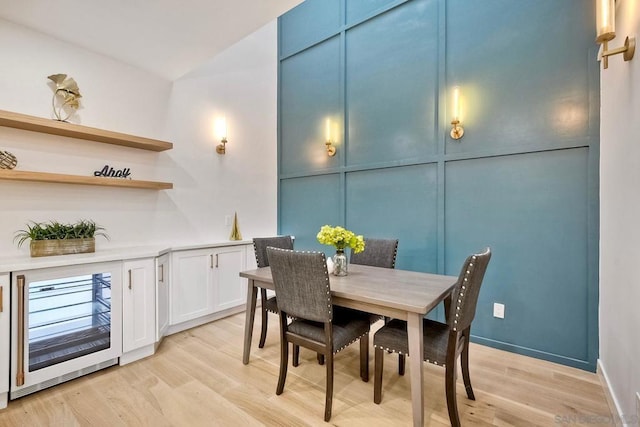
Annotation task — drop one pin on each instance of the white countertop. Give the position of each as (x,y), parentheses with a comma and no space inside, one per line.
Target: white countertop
(24,262)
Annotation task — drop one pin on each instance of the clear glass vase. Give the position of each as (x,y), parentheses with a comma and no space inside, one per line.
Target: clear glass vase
(340,263)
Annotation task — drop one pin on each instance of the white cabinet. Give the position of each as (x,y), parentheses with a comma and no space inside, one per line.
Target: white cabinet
(162,295)
(206,281)
(4,339)
(229,286)
(191,285)
(138,309)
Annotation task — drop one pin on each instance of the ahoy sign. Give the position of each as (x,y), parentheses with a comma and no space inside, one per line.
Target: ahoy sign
(113,173)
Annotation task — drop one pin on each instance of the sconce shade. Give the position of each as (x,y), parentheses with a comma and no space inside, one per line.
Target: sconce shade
(221,128)
(605,20)
(455,111)
(327,130)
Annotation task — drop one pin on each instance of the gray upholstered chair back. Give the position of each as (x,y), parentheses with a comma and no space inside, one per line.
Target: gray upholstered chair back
(464,297)
(260,245)
(301,281)
(377,253)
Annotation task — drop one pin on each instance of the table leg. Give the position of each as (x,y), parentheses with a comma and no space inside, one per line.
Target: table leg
(414,331)
(250,314)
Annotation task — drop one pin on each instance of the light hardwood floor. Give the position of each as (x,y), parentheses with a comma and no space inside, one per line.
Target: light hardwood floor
(197,378)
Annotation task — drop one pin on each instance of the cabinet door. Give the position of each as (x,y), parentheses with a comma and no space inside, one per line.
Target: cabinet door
(162,295)
(4,339)
(231,289)
(191,285)
(139,304)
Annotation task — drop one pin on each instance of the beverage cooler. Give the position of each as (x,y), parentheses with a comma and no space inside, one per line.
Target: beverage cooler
(66,322)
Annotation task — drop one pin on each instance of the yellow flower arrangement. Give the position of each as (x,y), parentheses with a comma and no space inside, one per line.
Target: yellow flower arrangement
(341,238)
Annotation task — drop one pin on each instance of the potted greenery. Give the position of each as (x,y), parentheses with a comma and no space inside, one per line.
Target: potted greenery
(341,238)
(54,238)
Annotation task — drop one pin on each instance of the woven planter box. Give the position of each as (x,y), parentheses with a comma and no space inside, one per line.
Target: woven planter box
(62,247)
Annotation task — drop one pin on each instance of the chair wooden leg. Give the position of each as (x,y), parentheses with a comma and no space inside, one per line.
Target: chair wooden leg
(364,358)
(464,362)
(401,363)
(265,318)
(450,390)
(296,355)
(284,357)
(377,375)
(320,359)
(329,391)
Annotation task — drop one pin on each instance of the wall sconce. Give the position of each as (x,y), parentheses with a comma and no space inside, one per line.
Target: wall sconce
(221,132)
(456,130)
(331,150)
(606,31)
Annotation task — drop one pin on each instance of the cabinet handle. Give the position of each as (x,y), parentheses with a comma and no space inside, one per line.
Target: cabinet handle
(1,302)
(161,273)
(216,260)
(211,257)
(129,278)
(20,373)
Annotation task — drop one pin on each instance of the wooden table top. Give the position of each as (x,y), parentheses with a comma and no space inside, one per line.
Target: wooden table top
(408,291)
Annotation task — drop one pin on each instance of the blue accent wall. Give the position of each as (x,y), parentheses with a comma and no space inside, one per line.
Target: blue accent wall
(523,179)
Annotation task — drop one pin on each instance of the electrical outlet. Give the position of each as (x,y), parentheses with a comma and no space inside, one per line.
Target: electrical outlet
(498,310)
(227,220)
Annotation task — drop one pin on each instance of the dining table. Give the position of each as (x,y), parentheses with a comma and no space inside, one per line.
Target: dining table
(394,293)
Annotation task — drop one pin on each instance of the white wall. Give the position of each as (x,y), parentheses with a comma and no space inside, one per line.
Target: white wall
(241,85)
(620,217)
(241,82)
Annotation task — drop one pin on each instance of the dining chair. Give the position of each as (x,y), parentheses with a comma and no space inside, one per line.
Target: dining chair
(303,293)
(444,343)
(377,253)
(260,245)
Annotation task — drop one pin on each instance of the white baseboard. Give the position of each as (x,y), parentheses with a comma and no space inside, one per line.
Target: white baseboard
(614,406)
(204,319)
(4,398)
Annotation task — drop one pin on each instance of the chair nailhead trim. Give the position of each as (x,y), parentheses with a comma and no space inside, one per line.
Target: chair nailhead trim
(351,342)
(390,349)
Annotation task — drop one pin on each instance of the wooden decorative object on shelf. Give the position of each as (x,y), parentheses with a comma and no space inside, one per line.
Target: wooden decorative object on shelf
(7,160)
(41,248)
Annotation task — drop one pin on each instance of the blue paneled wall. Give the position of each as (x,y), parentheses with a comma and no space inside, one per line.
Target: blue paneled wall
(523,179)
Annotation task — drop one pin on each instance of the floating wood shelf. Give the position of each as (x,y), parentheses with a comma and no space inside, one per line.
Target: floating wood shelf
(84,180)
(54,127)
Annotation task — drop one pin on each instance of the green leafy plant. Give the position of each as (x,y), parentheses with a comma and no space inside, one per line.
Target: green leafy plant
(340,238)
(54,230)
